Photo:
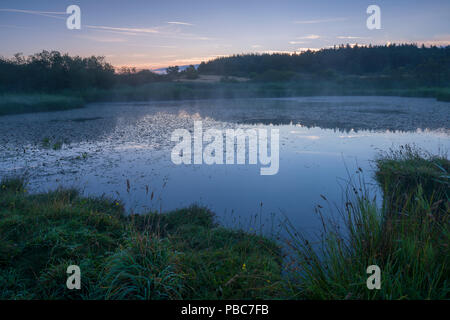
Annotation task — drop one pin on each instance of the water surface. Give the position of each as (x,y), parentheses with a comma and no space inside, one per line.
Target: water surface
(323,140)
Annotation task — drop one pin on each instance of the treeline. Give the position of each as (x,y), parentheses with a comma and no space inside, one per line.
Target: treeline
(52,71)
(427,65)
(132,77)
(390,66)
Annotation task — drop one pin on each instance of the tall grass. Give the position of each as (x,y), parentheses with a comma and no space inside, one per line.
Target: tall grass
(409,244)
(143,269)
(401,171)
(27,103)
(183,254)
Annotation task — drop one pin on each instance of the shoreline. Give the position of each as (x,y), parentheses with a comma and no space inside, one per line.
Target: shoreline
(186,255)
(16,103)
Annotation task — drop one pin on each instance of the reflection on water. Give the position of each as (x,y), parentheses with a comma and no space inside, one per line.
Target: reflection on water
(322,141)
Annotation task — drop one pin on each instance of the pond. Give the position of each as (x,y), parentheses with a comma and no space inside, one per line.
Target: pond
(123,151)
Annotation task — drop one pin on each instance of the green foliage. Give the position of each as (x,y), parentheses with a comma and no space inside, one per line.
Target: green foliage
(169,222)
(217,263)
(401,171)
(179,255)
(143,269)
(40,234)
(226,264)
(12,184)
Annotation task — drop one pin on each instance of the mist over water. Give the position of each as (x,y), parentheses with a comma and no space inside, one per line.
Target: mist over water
(322,140)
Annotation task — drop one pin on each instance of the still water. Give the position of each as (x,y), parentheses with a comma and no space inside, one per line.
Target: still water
(123,151)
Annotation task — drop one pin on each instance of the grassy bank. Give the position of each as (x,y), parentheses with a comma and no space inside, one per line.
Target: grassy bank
(69,99)
(178,255)
(185,255)
(401,171)
(226,90)
(408,238)
(28,103)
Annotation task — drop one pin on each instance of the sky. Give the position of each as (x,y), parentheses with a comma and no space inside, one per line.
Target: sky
(156,34)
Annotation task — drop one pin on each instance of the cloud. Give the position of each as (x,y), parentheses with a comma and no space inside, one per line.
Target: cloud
(180,23)
(352,37)
(170,62)
(50,14)
(320,21)
(297,42)
(101,39)
(33,11)
(194,60)
(310,37)
(127,30)
(255,46)
(161,31)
